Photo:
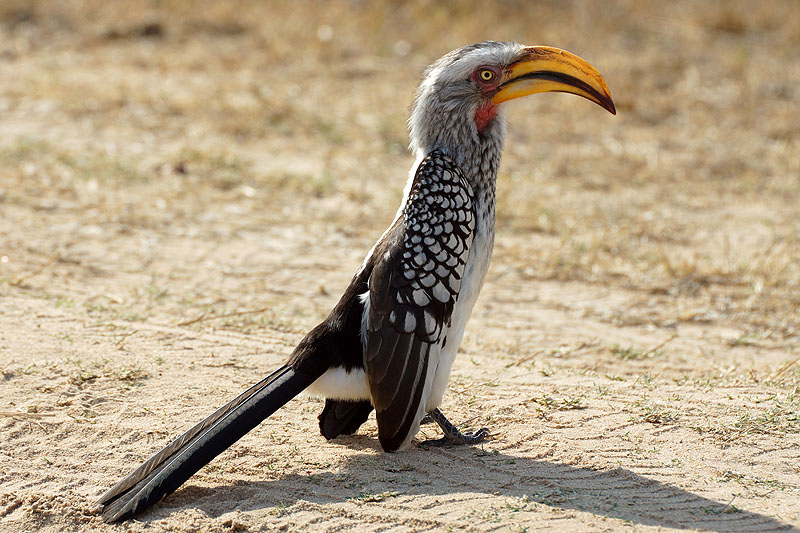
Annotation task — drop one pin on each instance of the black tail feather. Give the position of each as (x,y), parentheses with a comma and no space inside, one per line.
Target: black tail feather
(171,467)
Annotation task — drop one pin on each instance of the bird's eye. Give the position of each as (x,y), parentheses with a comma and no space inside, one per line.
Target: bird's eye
(486,74)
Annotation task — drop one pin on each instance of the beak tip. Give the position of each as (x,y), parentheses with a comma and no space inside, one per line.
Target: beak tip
(609,106)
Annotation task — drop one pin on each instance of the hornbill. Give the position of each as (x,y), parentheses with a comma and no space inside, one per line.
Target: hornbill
(390,342)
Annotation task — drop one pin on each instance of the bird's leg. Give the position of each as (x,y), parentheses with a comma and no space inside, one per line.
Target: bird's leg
(452,435)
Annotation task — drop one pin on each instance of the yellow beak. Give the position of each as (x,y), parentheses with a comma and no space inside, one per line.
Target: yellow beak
(541,69)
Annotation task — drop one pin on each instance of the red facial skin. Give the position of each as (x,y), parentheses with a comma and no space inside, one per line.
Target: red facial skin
(488,110)
(485,114)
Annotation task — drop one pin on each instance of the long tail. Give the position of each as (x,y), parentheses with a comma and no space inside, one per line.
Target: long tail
(168,469)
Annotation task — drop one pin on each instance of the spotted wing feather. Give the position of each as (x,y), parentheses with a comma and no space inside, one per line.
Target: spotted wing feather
(413,289)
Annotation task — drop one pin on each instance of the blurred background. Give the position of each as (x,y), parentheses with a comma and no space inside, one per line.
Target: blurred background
(149,136)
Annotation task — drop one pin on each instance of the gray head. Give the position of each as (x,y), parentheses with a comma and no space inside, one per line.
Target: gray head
(453,92)
(458,108)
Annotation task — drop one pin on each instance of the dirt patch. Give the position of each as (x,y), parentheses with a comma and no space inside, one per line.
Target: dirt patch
(186,190)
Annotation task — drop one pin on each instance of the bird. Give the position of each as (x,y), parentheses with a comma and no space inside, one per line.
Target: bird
(389,343)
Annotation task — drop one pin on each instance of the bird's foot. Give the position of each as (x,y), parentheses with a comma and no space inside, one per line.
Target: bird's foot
(452,436)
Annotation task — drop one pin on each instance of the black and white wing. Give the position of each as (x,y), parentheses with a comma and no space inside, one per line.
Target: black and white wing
(413,289)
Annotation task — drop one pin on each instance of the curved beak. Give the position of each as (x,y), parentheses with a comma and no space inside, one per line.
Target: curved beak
(541,69)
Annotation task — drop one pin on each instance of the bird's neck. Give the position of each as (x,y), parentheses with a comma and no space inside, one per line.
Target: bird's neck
(480,162)
(477,153)
(456,133)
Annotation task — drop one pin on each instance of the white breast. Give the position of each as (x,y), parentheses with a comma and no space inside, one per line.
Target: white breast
(480,255)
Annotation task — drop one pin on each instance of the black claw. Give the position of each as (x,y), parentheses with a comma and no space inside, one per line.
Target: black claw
(477,436)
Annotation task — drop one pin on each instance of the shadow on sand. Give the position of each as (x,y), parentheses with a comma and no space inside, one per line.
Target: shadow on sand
(617,493)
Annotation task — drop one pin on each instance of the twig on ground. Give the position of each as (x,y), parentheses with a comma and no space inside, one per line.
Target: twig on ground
(203,317)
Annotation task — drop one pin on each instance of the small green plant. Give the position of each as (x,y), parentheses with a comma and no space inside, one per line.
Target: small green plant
(376,497)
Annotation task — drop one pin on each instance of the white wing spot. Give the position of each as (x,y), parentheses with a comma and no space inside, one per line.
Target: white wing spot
(428,280)
(420,298)
(440,292)
(430,322)
(411,322)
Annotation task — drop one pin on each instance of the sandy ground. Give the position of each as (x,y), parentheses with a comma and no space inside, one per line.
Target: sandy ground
(186,188)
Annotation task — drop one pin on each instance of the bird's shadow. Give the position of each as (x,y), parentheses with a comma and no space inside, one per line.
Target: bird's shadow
(617,493)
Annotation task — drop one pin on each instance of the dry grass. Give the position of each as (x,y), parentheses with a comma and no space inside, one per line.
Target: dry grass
(676,198)
(185,185)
